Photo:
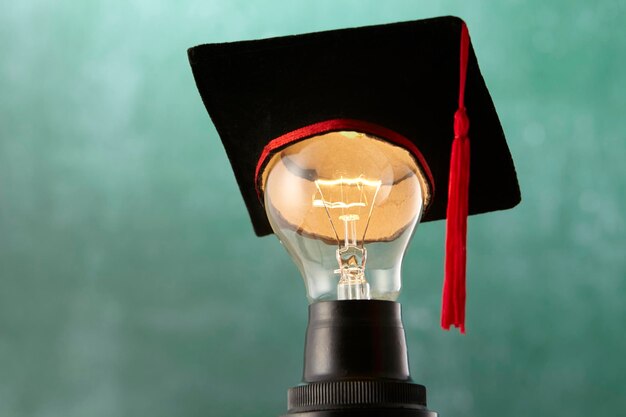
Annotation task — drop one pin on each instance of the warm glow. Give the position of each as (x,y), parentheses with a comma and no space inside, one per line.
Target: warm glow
(333,200)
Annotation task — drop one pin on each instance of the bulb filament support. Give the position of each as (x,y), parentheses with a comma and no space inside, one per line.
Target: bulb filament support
(348,203)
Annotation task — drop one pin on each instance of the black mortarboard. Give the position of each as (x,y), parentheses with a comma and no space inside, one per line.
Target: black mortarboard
(409,83)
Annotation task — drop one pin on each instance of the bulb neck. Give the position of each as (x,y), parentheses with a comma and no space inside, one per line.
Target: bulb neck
(356,363)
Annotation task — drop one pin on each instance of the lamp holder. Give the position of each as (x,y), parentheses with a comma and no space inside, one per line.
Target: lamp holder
(356,364)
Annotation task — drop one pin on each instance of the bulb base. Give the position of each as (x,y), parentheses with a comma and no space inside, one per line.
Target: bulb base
(356,364)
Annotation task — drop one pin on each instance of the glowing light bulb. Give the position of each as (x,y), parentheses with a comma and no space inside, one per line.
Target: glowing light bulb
(345,204)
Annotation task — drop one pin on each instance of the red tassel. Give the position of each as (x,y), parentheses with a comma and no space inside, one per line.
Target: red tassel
(453,303)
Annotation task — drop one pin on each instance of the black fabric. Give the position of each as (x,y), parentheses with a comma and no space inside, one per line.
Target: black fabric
(403,76)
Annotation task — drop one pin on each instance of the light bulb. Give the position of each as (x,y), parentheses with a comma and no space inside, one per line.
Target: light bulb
(345,205)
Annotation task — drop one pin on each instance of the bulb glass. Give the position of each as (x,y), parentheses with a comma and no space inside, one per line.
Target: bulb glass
(345,205)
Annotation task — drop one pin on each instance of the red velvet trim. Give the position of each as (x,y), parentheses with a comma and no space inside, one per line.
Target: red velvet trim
(453,298)
(335,125)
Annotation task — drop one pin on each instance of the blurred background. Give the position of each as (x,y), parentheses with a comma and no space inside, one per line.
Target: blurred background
(131,282)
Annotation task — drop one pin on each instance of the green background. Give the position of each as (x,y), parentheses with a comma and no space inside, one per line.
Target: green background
(131,283)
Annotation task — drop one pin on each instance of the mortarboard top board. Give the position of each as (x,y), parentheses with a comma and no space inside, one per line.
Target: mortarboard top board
(402,82)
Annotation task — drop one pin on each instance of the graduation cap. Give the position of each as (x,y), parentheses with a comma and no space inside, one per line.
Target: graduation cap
(415,84)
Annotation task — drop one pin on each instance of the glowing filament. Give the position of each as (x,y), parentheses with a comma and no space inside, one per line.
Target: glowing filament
(343,200)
